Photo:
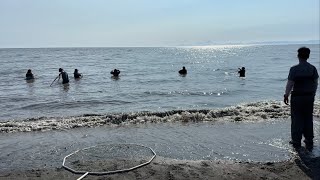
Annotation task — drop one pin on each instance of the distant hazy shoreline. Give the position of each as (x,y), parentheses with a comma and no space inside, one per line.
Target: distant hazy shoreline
(184,45)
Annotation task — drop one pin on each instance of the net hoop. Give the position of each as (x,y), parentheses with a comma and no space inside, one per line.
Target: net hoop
(107,172)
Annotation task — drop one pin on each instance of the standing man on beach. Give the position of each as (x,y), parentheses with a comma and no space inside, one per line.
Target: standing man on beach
(303,81)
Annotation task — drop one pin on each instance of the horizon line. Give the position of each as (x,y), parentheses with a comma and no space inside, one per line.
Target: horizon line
(195,45)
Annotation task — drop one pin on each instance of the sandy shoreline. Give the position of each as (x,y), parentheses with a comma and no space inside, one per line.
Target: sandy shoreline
(300,167)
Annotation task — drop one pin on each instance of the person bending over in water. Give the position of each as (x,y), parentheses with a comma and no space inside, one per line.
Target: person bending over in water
(29,75)
(183,70)
(242,72)
(64,75)
(76,74)
(115,72)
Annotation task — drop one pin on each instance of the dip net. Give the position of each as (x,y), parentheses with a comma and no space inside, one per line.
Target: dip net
(108,159)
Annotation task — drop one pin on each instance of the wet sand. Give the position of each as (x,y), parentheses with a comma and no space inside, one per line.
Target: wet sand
(300,167)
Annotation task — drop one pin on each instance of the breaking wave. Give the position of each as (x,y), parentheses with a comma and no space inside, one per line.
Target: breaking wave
(243,112)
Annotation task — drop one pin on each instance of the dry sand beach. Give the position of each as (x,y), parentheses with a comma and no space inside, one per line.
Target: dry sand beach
(301,167)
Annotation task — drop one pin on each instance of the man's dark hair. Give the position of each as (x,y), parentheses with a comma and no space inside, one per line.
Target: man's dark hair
(304,53)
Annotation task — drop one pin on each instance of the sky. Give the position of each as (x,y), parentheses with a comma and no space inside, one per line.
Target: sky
(123,23)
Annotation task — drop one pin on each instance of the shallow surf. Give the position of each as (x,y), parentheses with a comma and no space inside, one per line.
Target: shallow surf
(257,111)
(259,141)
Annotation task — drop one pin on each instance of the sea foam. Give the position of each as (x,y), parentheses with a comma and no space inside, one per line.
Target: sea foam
(256,111)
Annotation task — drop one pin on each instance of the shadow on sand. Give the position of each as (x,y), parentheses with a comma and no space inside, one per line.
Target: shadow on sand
(308,164)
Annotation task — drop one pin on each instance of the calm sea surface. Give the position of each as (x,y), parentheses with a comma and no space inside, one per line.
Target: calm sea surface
(149,79)
(208,114)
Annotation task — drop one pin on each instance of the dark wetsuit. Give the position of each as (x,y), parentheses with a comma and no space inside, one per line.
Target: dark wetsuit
(77,75)
(29,76)
(183,71)
(242,73)
(65,78)
(304,76)
(115,72)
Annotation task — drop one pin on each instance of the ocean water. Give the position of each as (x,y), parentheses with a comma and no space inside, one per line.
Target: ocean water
(149,79)
(208,114)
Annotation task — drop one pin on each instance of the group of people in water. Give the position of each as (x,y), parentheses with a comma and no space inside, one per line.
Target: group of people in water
(242,71)
(301,85)
(115,73)
(62,74)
